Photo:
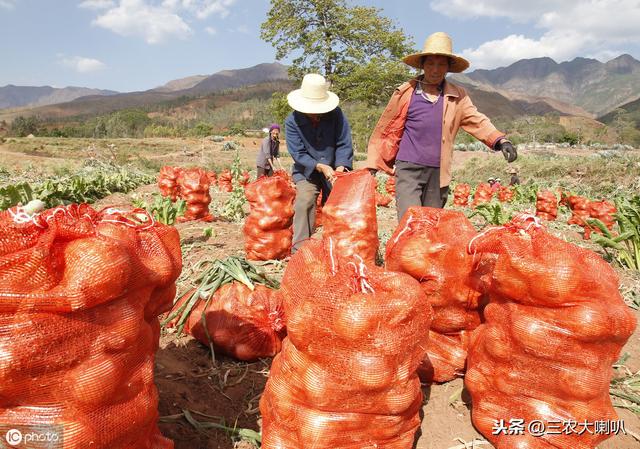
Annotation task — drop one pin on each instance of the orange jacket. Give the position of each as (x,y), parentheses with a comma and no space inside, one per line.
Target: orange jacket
(459,111)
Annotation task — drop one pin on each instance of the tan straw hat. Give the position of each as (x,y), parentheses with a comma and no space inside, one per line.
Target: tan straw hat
(438,44)
(314,96)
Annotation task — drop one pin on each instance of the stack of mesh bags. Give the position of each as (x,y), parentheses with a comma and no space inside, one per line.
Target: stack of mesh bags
(505,194)
(553,328)
(225,180)
(168,182)
(461,194)
(194,189)
(546,205)
(346,376)
(80,293)
(431,245)
(482,195)
(267,228)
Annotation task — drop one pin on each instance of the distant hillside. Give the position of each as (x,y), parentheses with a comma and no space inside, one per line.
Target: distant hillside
(181,84)
(98,105)
(631,110)
(590,84)
(31,96)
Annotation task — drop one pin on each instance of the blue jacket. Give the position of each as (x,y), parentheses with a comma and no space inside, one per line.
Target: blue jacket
(329,143)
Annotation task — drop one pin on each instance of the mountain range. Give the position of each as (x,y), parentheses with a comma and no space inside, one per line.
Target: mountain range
(581,87)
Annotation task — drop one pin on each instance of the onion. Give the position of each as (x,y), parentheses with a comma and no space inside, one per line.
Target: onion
(95,382)
(371,371)
(353,319)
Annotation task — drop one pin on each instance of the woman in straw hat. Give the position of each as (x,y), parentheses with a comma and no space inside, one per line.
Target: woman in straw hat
(319,140)
(414,137)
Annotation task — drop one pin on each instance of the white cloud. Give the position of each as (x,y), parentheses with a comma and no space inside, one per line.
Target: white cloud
(242,29)
(97,4)
(82,65)
(569,29)
(7,4)
(211,30)
(156,21)
(155,24)
(202,8)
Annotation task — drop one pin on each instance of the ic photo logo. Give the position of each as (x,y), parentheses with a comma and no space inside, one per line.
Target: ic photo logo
(13,437)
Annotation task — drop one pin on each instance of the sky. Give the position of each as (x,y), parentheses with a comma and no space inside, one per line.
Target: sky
(129,45)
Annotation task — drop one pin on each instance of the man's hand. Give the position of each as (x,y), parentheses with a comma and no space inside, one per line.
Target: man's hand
(508,150)
(341,169)
(326,171)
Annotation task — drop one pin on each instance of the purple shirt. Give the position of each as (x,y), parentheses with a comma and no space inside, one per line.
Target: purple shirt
(421,140)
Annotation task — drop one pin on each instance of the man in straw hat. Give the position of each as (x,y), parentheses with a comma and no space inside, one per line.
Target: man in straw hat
(319,140)
(414,137)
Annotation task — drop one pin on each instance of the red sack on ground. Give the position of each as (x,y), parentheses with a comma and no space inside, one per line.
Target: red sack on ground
(483,194)
(461,194)
(267,228)
(505,194)
(241,323)
(554,326)
(194,189)
(80,293)
(244,179)
(224,180)
(213,177)
(346,375)
(382,200)
(431,245)
(390,186)
(579,206)
(603,211)
(350,224)
(546,205)
(168,182)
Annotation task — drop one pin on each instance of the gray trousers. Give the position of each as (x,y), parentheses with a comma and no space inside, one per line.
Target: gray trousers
(264,171)
(417,185)
(304,217)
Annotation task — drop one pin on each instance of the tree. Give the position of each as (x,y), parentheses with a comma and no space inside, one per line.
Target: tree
(354,47)
(23,126)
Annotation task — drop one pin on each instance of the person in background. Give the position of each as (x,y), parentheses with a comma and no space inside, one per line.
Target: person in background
(515,179)
(319,140)
(269,153)
(414,137)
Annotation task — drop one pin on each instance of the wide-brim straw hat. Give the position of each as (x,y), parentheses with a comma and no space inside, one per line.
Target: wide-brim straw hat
(438,44)
(314,96)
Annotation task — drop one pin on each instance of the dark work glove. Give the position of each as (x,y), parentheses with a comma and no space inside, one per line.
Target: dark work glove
(508,150)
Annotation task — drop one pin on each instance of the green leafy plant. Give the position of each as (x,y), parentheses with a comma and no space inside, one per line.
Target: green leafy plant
(525,193)
(233,208)
(493,213)
(15,194)
(163,209)
(627,243)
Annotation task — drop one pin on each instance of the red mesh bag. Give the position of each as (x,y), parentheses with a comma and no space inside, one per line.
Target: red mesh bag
(382,200)
(505,194)
(461,194)
(267,228)
(319,215)
(547,205)
(346,375)
(242,323)
(80,293)
(350,225)
(579,206)
(245,178)
(390,186)
(431,245)
(213,178)
(554,326)
(168,182)
(603,211)
(224,181)
(483,194)
(194,189)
